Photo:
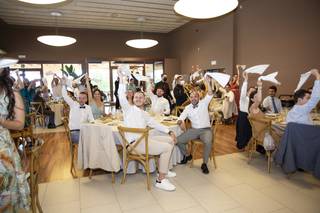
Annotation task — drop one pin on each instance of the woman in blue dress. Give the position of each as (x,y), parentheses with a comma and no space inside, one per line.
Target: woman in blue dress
(95,101)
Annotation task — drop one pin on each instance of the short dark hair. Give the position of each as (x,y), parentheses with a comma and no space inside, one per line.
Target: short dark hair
(273,87)
(300,94)
(84,93)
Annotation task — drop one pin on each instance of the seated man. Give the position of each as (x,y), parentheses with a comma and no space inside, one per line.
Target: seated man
(80,112)
(46,109)
(135,117)
(197,112)
(271,103)
(300,113)
(159,105)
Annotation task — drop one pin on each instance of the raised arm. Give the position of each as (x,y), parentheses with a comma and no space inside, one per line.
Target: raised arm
(18,121)
(122,92)
(90,99)
(20,84)
(65,95)
(256,105)
(209,95)
(244,88)
(315,95)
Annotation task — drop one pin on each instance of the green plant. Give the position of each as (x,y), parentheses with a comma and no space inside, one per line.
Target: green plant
(69,71)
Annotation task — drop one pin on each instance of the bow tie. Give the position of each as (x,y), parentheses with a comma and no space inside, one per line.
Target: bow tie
(195,106)
(82,107)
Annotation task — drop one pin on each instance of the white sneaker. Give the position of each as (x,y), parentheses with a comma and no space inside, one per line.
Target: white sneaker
(165,185)
(170,174)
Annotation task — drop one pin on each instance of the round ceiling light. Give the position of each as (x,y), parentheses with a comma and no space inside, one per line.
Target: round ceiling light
(43,2)
(56,40)
(142,43)
(204,9)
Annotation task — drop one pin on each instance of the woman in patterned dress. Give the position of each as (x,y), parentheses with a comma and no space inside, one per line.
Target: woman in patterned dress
(14,189)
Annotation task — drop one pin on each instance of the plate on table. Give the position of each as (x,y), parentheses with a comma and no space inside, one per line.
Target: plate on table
(272,114)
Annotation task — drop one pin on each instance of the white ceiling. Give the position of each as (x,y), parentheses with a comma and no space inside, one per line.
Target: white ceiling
(97,14)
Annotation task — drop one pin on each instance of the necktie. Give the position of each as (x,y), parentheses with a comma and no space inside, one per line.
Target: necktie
(195,106)
(274,105)
(82,107)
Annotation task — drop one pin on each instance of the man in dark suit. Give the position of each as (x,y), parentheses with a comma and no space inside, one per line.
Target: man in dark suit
(166,88)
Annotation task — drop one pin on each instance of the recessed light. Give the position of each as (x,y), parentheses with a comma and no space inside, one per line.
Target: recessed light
(43,2)
(56,13)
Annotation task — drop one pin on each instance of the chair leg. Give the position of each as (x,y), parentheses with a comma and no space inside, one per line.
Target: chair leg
(192,151)
(90,174)
(112,177)
(148,175)
(213,157)
(124,172)
(251,150)
(38,202)
(73,169)
(269,160)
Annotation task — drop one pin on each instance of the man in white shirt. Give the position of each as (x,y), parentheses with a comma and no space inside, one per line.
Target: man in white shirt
(134,116)
(300,113)
(197,112)
(271,103)
(159,105)
(80,112)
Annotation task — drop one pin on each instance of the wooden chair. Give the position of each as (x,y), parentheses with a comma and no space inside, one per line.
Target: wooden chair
(72,147)
(22,137)
(34,178)
(37,108)
(259,127)
(130,152)
(194,144)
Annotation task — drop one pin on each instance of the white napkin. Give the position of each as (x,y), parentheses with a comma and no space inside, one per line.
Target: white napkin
(6,62)
(271,78)
(141,77)
(221,78)
(125,69)
(45,82)
(77,80)
(176,76)
(258,69)
(303,78)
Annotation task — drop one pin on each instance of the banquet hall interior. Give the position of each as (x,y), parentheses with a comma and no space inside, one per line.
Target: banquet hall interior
(231,87)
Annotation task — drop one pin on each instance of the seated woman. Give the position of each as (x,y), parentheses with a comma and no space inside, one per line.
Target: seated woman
(95,101)
(254,111)
(46,109)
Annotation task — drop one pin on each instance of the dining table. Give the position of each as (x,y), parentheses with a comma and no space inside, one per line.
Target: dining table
(98,142)
(279,123)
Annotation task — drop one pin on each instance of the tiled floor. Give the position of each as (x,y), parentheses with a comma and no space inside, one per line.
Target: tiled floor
(235,187)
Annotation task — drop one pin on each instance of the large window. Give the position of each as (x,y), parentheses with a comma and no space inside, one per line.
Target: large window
(158,70)
(99,74)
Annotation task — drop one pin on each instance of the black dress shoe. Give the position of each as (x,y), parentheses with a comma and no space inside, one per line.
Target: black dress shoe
(204,168)
(186,159)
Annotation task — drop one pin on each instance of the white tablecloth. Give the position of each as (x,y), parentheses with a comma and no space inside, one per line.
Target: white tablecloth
(97,147)
(57,108)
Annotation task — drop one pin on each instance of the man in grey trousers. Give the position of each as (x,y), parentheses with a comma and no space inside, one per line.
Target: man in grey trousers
(197,112)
